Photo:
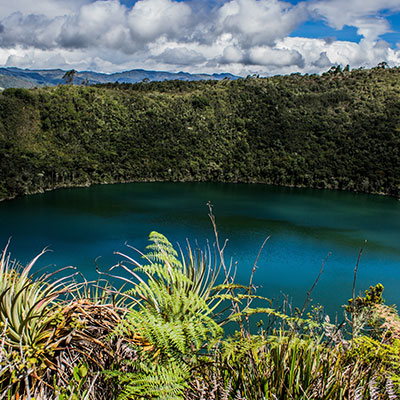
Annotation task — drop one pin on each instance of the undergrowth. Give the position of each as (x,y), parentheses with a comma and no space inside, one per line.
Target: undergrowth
(161,336)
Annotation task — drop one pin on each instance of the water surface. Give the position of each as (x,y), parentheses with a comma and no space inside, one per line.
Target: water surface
(304,225)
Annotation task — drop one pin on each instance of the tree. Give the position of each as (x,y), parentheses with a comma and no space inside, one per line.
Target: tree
(383,65)
(69,76)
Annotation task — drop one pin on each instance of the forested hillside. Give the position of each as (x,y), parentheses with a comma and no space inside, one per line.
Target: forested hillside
(340,130)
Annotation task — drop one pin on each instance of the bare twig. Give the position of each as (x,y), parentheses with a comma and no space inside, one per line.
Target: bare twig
(91,386)
(314,284)
(354,290)
(249,300)
(355,272)
(255,263)
(236,308)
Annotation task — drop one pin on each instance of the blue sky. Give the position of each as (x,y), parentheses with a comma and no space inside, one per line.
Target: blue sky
(317,28)
(238,36)
(393,37)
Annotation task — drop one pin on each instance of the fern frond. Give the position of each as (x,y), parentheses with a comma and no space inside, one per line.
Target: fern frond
(158,382)
(252,311)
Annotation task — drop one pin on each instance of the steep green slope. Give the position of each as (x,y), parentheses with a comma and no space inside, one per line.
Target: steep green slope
(340,130)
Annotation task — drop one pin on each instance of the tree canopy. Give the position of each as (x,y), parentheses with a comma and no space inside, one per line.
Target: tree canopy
(340,130)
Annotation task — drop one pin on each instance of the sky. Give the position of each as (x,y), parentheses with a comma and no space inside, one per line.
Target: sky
(243,37)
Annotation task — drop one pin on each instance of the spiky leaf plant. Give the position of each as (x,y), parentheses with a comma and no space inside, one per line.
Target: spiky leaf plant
(28,319)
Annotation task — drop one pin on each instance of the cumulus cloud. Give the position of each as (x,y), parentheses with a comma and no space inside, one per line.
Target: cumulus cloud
(36,59)
(264,56)
(319,55)
(29,31)
(363,14)
(323,61)
(150,19)
(180,56)
(231,54)
(239,36)
(259,22)
(50,8)
(102,23)
(273,57)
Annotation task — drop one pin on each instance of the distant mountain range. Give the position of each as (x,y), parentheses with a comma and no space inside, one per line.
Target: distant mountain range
(27,78)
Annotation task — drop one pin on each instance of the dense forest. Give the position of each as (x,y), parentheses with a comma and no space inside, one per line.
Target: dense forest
(340,130)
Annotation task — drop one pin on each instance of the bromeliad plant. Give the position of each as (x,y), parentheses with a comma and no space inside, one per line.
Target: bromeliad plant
(28,321)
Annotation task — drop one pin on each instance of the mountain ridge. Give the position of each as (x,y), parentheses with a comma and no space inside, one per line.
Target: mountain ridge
(13,77)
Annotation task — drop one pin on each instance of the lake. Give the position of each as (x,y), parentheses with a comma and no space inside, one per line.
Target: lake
(304,225)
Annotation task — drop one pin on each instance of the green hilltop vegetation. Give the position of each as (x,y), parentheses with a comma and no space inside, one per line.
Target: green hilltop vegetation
(340,130)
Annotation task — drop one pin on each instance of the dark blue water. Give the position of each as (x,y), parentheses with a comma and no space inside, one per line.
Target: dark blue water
(304,225)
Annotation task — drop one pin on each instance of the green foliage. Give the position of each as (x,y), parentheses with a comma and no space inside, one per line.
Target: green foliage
(362,311)
(28,320)
(169,322)
(373,296)
(284,366)
(75,388)
(338,131)
(160,339)
(291,365)
(154,381)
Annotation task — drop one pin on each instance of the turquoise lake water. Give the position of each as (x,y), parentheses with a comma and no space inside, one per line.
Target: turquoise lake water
(304,225)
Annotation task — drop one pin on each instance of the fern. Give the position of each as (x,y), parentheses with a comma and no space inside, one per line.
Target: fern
(173,321)
(162,251)
(154,381)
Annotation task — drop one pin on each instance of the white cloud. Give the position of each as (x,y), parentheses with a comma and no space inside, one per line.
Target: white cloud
(238,36)
(363,14)
(32,30)
(50,8)
(150,19)
(259,22)
(231,54)
(35,58)
(371,28)
(180,56)
(317,53)
(323,61)
(102,23)
(274,57)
